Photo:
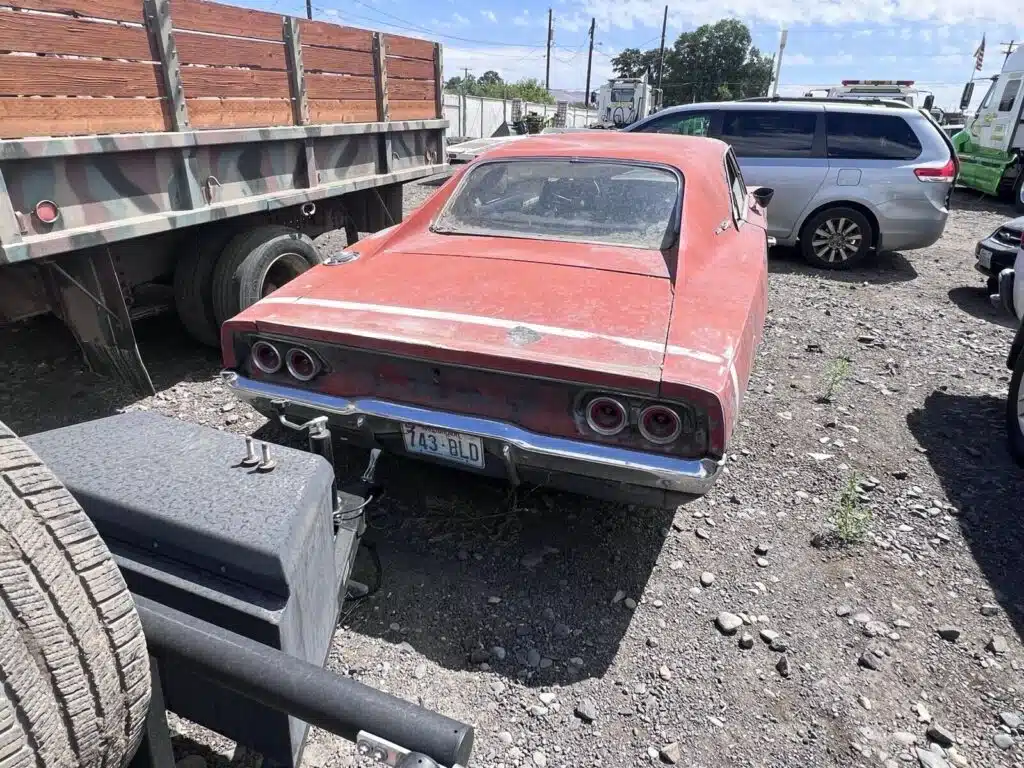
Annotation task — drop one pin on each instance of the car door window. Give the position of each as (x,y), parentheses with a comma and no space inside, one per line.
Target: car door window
(859,136)
(1009,96)
(736,186)
(770,133)
(680,123)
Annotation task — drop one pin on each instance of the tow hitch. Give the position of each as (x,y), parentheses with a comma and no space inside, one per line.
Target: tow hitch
(351,500)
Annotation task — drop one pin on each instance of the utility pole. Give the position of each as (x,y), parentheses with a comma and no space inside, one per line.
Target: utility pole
(309,9)
(1010,48)
(778,62)
(590,56)
(547,69)
(661,55)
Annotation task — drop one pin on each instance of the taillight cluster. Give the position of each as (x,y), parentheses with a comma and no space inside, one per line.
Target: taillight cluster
(659,424)
(300,363)
(946,173)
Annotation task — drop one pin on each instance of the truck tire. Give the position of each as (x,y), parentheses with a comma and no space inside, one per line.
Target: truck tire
(853,235)
(1018,192)
(74,669)
(193,285)
(257,262)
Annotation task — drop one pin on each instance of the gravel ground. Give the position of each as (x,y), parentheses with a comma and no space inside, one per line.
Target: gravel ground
(739,630)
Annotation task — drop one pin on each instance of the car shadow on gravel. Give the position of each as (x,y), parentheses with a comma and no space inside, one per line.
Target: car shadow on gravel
(970,200)
(974,301)
(879,268)
(47,384)
(472,572)
(965,439)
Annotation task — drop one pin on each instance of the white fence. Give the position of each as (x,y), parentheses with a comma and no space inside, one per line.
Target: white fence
(477,118)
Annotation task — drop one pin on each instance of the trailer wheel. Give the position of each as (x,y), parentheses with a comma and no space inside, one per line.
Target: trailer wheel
(256,263)
(193,286)
(74,669)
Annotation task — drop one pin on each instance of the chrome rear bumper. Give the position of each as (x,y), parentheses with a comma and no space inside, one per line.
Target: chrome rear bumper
(512,452)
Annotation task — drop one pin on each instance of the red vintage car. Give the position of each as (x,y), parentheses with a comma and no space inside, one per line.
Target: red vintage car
(578,311)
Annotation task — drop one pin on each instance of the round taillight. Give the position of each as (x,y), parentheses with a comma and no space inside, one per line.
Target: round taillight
(266,357)
(606,416)
(302,365)
(660,425)
(47,211)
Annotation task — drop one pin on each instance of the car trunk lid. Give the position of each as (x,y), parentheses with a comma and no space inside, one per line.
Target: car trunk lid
(592,326)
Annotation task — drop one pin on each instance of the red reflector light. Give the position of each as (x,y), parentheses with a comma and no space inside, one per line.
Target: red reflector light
(606,416)
(266,357)
(47,211)
(945,173)
(302,365)
(660,425)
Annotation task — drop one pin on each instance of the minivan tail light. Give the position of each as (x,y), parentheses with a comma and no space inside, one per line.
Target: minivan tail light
(944,174)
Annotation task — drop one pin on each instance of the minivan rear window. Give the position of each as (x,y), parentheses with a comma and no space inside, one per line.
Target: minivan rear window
(772,133)
(860,136)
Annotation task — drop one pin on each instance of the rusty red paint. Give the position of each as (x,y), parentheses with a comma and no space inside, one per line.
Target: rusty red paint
(619,320)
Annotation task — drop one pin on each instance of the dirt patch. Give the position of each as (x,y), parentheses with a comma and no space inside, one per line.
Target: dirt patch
(577,633)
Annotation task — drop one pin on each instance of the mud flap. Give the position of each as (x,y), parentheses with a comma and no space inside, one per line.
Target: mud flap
(86,294)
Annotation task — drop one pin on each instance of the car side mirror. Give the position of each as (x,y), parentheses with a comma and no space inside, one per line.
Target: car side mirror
(763,196)
(929,102)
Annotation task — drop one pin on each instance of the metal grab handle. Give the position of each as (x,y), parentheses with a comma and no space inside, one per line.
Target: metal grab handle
(313,694)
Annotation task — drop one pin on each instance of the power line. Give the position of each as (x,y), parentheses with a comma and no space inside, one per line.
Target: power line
(411,27)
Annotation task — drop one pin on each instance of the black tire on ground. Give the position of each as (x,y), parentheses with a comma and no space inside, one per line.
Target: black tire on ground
(74,669)
(1014,434)
(1018,192)
(851,224)
(256,262)
(193,284)
(992,284)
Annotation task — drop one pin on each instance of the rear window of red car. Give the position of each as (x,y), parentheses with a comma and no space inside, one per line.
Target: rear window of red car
(613,203)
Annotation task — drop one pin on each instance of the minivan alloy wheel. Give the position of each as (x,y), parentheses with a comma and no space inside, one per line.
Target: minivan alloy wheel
(837,239)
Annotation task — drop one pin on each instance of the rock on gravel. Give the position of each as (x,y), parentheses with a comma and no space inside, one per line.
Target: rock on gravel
(728,623)
(940,735)
(929,759)
(670,753)
(949,632)
(586,711)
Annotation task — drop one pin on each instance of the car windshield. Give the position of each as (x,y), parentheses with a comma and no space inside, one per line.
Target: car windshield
(594,201)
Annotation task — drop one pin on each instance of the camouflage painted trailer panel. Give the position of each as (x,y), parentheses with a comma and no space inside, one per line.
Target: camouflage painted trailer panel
(112,188)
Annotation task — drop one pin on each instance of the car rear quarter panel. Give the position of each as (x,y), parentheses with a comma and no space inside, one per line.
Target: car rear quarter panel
(720,303)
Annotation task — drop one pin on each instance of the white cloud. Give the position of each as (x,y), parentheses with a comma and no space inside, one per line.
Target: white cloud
(627,14)
(523,19)
(515,63)
(489,15)
(926,35)
(797,60)
(459,19)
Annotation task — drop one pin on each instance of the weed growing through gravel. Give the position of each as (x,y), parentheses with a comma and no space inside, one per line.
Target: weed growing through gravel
(851,519)
(835,376)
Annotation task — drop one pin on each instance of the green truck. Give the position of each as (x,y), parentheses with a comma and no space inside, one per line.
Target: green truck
(991,145)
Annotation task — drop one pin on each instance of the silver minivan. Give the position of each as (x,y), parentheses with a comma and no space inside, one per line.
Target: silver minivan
(849,176)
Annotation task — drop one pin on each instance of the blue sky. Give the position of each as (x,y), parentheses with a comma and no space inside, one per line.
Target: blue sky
(929,41)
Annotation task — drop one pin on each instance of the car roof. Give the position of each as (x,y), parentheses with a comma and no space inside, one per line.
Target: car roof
(797,105)
(689,154)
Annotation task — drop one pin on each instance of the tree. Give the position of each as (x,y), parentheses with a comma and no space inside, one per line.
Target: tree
(632,62)
(489,78)
(715,62)
(490,85)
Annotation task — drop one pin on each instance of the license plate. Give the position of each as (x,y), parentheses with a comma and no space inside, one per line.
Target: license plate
(450,446)
(985,257)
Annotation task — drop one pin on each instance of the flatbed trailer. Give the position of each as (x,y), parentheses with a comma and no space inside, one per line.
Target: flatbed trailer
(183,153)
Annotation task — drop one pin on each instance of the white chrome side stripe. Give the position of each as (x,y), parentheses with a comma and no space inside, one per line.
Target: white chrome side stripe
(497,322)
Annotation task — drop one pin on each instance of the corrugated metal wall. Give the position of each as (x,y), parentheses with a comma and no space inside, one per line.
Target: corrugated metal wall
(476,118)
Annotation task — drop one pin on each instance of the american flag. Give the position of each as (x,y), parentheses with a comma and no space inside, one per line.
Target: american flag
(979,55)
